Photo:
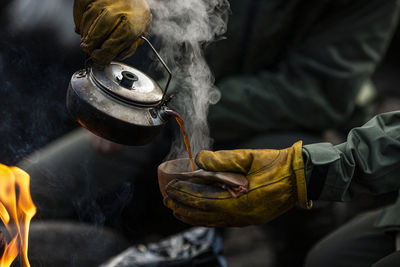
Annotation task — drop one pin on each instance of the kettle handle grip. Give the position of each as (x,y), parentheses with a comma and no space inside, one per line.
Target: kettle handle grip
(163,63)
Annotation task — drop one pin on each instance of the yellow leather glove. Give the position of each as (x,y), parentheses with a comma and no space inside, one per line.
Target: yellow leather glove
(111,28)
(276,182)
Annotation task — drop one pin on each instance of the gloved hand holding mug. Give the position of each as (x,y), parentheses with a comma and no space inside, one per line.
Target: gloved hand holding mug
(111,28)
(276,182)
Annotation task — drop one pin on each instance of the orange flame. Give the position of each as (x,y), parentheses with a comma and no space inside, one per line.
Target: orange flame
(16,209)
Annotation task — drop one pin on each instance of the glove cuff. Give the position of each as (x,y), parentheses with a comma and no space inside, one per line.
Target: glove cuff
(298,169)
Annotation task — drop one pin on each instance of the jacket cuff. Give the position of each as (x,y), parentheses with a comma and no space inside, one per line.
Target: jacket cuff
(318,160)
(315,177)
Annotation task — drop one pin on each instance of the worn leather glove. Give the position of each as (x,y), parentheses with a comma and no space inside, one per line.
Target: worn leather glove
(276,182)
(111,28)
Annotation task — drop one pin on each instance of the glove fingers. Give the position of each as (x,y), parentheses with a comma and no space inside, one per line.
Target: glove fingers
(96,31)
(79,8)
(90,16)
(111,28)
(117,42)
(130,51)
(144,26)
(200,196)
(194,216)
(226,160)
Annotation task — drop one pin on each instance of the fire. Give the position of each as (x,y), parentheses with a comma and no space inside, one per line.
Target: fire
(16,212)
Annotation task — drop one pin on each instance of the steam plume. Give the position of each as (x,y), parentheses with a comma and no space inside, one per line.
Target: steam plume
(26,15)
(185,28)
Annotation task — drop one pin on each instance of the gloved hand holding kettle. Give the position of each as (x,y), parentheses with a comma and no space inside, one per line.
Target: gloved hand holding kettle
(110,29)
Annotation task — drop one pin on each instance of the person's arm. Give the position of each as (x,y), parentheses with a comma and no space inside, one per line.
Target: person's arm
(316,83)
(369,162)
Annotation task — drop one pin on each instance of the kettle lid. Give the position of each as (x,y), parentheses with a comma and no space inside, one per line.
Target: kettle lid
(127,84)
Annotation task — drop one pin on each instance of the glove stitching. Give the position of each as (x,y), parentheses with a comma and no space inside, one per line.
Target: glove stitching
(265,166)
(230,197)
(94,24)
(120,24)
(79,10)
(273,182)
(128,50)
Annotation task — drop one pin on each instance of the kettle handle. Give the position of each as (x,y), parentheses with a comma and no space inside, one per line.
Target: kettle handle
(163,63)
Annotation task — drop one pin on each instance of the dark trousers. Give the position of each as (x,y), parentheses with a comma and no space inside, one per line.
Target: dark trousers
(358,243)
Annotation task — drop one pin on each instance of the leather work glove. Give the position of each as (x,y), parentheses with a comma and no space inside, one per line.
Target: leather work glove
(276,182)
(111,28)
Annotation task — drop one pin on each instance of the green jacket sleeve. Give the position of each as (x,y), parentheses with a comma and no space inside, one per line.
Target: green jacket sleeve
(317,81)
(369,162)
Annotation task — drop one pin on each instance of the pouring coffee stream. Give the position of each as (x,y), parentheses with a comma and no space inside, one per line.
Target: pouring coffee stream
(179,120)
(122,104)
(236,184)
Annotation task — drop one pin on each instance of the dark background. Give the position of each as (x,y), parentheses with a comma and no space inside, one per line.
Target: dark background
(35,68)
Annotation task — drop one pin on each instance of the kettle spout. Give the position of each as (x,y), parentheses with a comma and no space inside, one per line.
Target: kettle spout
(165,113)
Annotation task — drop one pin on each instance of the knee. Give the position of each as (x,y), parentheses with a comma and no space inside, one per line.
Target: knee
(392,259)
(321,255)
(314,258)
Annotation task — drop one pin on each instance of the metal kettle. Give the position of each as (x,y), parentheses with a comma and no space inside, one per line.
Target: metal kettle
(118,102)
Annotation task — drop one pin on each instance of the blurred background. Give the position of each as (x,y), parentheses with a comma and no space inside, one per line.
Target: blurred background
(39,51)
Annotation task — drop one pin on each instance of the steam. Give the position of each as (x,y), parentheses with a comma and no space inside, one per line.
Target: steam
(26,15)
(185,28)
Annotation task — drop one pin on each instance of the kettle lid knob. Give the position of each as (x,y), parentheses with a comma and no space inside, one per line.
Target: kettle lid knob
(128,78)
